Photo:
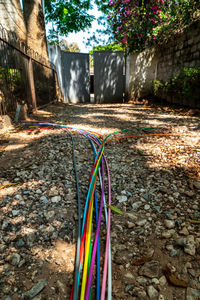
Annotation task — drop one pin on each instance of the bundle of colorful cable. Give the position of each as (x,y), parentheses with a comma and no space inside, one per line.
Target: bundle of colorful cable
(87,252)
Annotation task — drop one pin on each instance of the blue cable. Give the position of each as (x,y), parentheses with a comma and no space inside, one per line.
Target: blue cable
(96,155)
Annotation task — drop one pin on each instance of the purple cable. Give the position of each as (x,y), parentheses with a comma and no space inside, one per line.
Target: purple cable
(87,295)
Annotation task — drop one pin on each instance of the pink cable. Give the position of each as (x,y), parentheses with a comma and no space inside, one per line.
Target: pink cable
(89,283)
(103,288)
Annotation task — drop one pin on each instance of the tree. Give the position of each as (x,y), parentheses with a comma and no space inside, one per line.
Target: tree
(135,24)
(68,15)
(108,47)
(71,47)
(73,16)
(65,45)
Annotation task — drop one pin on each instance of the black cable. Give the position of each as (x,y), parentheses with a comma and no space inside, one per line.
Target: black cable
(75,294)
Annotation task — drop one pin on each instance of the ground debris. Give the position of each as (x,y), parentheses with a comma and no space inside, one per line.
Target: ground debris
(35,290)
(173,279)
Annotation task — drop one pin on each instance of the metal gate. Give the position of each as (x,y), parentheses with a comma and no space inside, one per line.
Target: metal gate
(76,77)
(109,80)
(73,74)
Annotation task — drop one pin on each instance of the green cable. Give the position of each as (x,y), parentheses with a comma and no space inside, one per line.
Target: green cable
(132,129)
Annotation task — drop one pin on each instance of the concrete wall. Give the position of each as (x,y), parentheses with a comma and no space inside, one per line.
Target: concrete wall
(141,69)
(162,62)
(28,24)
(55,58)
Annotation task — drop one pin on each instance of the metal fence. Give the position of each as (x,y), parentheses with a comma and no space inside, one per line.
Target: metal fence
(25,76)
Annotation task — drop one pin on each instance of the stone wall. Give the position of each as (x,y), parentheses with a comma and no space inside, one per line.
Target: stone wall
(181,52)
(28,24)
(162,62)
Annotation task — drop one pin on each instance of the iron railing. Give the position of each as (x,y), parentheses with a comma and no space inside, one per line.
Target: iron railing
(25,76)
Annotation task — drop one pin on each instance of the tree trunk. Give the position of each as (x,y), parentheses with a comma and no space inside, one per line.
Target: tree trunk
(35,26)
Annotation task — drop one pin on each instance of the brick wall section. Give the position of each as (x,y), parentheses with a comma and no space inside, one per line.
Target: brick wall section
(162,62)
(28,24)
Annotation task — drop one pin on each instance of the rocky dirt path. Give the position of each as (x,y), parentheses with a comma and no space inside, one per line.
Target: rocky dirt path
(155,182)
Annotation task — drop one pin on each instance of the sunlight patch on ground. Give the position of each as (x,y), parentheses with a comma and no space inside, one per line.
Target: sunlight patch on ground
(12,189)
(42,113)
(60,257)
(100,130)
(8,191)
(15,147)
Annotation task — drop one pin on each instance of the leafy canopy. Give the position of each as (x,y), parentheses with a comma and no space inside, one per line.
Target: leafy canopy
(134,24)
(70,47)
(68,15)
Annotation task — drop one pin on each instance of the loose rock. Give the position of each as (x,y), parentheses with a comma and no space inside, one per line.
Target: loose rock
(150,269)
(169,224)
(184,231)
(152,292)
(192,294)
(122,198)
(56,199)
(15,259)
(35,290)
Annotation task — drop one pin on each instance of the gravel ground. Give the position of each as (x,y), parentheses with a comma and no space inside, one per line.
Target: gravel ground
(155,182)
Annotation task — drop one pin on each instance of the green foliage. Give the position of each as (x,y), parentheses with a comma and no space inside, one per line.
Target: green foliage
(132,23)
(10,76)
(11,86)
(65,45)
(176,16)
(156,86)
(67,16)
(139,24)
(185,85)
(110,47)
(103,6)
(115,209)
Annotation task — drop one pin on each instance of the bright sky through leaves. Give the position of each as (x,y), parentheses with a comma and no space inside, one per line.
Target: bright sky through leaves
(81,37)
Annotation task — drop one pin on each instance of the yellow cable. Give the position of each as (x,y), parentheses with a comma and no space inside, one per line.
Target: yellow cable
(87,245)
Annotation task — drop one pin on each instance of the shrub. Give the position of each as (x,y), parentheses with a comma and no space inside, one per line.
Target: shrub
(184,85)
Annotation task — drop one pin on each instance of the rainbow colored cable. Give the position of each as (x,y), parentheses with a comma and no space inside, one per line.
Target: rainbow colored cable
(86,253)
